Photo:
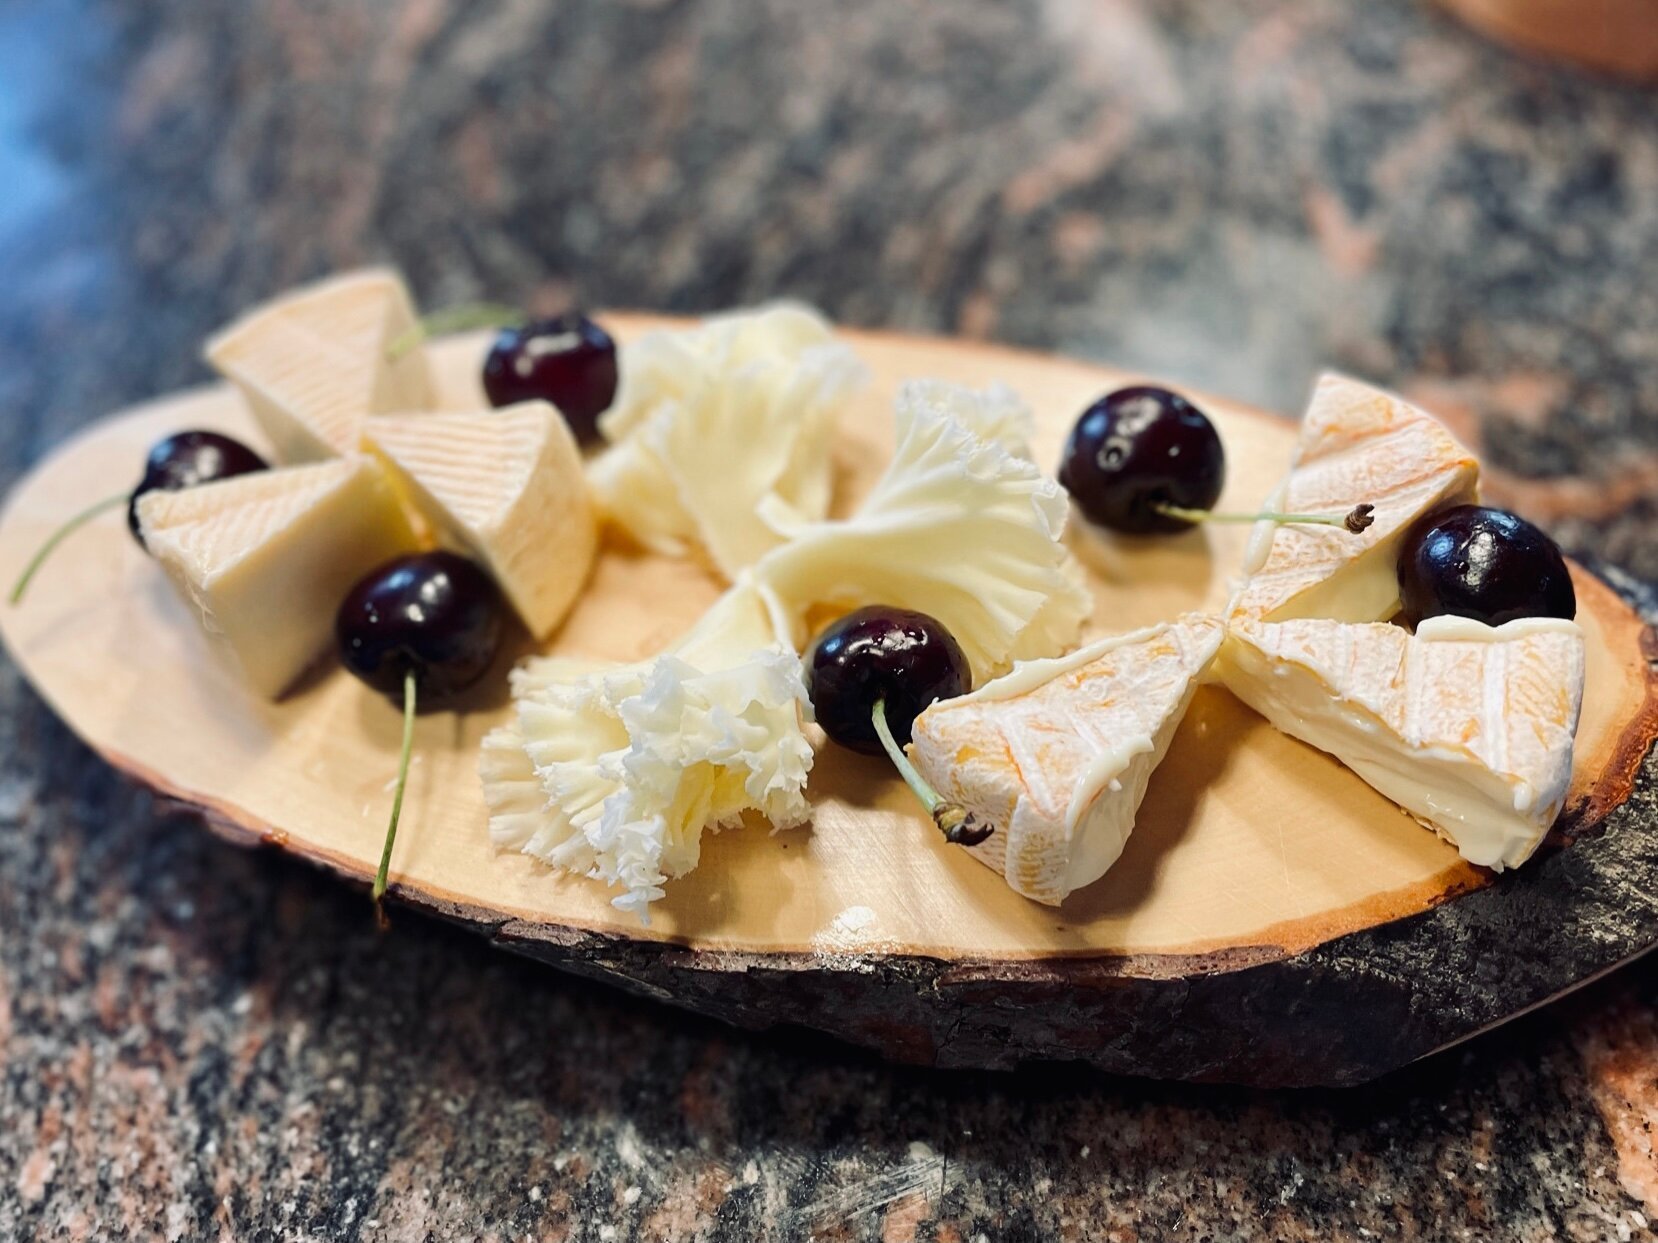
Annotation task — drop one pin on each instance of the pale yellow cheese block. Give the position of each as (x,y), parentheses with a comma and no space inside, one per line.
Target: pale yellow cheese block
(506,486)
(314,363)
(1056,754)
(1358,445)
(266,558)
(1468,727)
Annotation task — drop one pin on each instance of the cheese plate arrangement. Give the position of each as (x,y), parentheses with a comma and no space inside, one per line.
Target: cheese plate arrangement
(974,706)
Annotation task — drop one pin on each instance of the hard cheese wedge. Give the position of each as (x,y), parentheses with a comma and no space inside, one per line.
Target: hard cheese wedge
(1056,754)
(315,363)
(506,486)
(1467,727)
(266,558)
(1358,445)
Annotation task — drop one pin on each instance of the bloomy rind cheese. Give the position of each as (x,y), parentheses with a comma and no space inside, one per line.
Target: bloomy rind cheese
(314,363)
(1468,727)
(1056,755)
(266,558)
(506,486)
(1358,445)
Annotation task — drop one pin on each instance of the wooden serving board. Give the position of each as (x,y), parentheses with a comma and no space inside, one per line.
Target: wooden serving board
(1273,920)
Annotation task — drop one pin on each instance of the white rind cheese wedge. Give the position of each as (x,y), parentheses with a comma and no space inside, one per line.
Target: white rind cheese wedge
(266,558)
(1467,727)
(506,486)
(1056,754)
(1358,445)
(313,364)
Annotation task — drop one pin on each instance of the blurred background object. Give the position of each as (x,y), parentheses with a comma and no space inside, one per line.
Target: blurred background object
(1613,36)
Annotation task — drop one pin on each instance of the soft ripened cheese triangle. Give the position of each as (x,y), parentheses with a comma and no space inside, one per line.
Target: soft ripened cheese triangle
(1056,754)
(266,558)
(1467,727)
(1358,445)
(507,486)
(314,363)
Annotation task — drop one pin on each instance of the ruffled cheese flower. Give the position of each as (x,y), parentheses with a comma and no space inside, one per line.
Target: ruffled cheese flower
(721,433)
(615,771)
(958,528)
(995,413)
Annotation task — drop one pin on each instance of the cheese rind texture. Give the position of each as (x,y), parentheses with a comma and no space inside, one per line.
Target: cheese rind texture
(1056,755)
(266,558)
(1469,728)
(1358,445)
(505,486)
(314,363)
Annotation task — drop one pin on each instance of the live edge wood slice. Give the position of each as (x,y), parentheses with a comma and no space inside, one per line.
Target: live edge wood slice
(1273,921)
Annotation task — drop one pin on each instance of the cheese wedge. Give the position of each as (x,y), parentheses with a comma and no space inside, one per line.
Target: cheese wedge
(314,363)
(266,558)
(505,486)
(1467,727)
(1056,754)
(1358,445)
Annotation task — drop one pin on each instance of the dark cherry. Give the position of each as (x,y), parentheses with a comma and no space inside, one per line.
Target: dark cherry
(434,615)
(1488,564)
(182,460)
(1136,449)
(569,361)
(185,459)
(906,658)
(420,627)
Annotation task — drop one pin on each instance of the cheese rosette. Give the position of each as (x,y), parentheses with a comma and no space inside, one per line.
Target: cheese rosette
(721,434)
(958,528)
(615,771)
(995,413)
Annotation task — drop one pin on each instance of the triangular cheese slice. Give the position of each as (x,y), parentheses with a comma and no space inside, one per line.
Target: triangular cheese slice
(1358,445)
(266,558)
(315,363)
(507,486)
(1467,727)
(1056,754)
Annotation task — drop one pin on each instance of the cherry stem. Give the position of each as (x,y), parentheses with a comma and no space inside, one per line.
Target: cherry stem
(57,537)
(461,318)
(397,798)
(953,820)
(1355,520)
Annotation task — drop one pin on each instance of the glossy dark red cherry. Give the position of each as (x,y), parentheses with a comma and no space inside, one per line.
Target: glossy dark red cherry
(420,627)
(436,615)
(181,460)
(569,361)
(903,657)
(185,459)
(1488,564)
(1136,449)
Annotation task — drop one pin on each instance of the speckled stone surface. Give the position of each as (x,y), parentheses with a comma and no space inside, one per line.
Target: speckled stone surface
(202,1043)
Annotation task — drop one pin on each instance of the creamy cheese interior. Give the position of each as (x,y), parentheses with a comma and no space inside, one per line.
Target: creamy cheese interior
(1103,809)
(1364,589)
(266,558)
(1495,819)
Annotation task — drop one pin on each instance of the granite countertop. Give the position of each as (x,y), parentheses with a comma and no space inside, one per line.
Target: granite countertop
(205,1043)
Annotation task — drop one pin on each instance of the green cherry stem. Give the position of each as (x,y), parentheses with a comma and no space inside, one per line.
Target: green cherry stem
(1354,520)
(397,798)
(953,820)
(461,318)
(57,537)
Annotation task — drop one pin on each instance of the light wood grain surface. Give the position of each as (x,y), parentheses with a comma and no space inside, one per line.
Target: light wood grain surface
(1246,838)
